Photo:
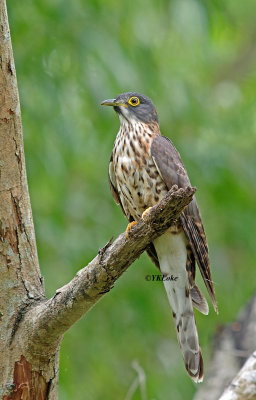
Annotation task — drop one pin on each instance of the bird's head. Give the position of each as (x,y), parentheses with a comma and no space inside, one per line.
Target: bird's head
(132,106)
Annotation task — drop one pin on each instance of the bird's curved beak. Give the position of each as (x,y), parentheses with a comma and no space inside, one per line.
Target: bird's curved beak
(113,103)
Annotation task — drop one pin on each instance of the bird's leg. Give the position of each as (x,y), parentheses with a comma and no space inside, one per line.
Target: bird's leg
(145,213)
(129,226)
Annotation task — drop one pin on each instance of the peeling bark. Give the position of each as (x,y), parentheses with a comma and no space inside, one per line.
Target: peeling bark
(20,279)
(27,384)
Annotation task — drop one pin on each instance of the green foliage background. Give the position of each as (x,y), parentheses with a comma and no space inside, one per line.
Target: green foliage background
(196,59)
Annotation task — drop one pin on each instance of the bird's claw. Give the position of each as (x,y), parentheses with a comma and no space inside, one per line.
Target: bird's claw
(145,213)
(129,226)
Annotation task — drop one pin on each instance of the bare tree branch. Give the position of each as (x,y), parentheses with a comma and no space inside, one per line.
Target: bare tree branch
(243,386)
(48,321)
(233,344)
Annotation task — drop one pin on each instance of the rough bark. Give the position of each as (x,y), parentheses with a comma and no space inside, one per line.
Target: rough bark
(32,327)
(243,386)
(20,284)
(233,344)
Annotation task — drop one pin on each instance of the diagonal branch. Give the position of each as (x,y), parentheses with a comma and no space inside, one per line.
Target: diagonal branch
(232,345)
(243,386)
(48,321)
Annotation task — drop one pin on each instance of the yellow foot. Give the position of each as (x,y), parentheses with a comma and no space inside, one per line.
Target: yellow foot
(145,213)
(129,226)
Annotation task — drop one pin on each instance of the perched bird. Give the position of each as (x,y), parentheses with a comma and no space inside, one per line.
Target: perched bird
(143,166)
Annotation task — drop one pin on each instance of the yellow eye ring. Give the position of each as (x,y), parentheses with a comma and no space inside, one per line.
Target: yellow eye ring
(134,101)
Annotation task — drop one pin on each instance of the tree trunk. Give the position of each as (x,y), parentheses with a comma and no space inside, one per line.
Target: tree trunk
(21,281)
(32,327)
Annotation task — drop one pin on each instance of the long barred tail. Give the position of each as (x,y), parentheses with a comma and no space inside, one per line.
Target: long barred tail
(184,320)
(172,255)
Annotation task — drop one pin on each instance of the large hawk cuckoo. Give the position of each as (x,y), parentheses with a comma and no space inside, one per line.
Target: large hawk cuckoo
(144,165)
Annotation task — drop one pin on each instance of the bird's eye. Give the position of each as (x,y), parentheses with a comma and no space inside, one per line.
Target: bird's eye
(134,101)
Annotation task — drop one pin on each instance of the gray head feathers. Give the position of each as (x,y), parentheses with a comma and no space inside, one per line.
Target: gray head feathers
(133,106)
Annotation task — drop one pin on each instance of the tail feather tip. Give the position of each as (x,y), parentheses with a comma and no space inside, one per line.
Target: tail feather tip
(197,375)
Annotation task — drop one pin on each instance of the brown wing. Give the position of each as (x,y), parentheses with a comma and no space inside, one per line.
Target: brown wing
(113,187)
(173,172)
